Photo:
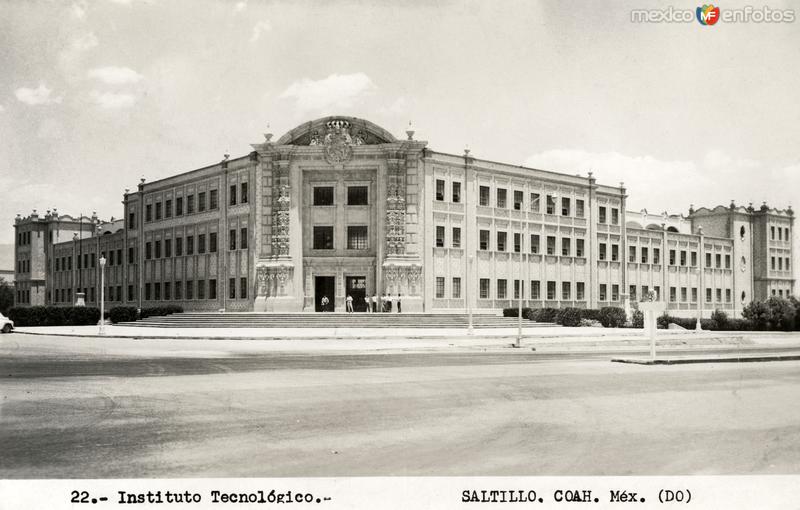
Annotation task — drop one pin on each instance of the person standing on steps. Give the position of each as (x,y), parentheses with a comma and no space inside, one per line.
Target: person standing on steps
(399,310)
(324,303)
(374,302)
(349,306)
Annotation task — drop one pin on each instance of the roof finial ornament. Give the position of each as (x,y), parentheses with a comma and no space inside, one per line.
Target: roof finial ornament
(466,150)
(226,157)
(268,135)
(410,131)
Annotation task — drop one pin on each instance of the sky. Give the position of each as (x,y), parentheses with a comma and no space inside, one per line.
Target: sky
(96,94)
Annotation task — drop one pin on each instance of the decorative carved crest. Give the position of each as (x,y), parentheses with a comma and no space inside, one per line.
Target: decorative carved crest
(338,142)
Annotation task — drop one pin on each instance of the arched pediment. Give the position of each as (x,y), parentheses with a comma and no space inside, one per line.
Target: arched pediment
(361,131)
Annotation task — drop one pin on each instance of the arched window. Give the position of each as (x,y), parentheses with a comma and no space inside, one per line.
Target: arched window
(742,232)
(744,296)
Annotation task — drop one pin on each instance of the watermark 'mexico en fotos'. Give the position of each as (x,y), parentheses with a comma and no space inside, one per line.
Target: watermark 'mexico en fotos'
(709,14)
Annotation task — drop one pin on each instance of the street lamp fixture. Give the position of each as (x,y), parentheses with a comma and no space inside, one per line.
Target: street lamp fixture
(102,295)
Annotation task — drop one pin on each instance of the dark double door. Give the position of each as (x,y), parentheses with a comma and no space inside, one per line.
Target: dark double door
(357,289)
(325,287)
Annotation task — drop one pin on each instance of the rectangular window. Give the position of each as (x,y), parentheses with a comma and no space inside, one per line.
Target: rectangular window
(579,247)
(157,291)
(168,248)
(551,290)
(683,257)
(243,238)
(602,215)
(727,295)
(672,257)
(694,259)
(439,236)
(167,291)
(147,291)
(179,206)
(178,246)
(566,291)
(189,245)
(501,198)
(190,290)
(534,243)
(708,295)
(684,294)
(483,196)
(565,247)
(551,245)
(242,288)
(201,243)
(708,260)
(148,250)
(357,195)
(213,199)
(602,254)
(615,292)
(483,240)
(536,289)
(516,289)
(244,193)
(232,195)
(718,258)
(232,239)
(231,288)
(551,204)
(130,293)
(158,210)
(772,233)
(483,285)
(212,242)
(131,221)
(190,205)
(614,216)
(517,242)
(694,294)
(632,292)
(603,292)
(201,204)
(579,208)
(534,202)
(657,290)
(456,237)
(727,261)
(456,287)
(673,294)
(440,198)
(168,209)
(178,290)
(565,206)
(656,256)
(323,238)
(456,192)
(580,291)
(148,212)
(357,238)
(501,241)
(501,288)
(131,255)
(719,295)
(614,252)
(440,287)
(518,200)
(631,253)
(212,289)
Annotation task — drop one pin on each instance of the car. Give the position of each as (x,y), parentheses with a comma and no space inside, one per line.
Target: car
(6,324)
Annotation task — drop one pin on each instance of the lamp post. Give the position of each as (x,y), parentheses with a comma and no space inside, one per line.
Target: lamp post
(470,331)
(102,294)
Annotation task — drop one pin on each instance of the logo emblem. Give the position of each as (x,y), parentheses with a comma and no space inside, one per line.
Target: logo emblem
(338,142)
(708,14)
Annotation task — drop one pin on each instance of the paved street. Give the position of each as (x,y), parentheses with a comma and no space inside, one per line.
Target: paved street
(125,408)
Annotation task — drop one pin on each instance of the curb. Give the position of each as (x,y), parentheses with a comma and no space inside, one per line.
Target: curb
(689,361)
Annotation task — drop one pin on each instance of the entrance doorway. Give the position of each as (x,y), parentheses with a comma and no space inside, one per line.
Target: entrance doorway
(357,289)
(324,286)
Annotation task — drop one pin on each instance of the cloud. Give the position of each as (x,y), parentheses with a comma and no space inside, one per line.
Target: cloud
(78,9)
(261,27)
(37,96)
(337,90)
(400,105)
(115,75)
(240,6)
(113,101)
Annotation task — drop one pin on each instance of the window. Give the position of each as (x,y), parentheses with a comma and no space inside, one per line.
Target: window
(157,291)
(357,195)
(501,241)
(694,259)
(189,205)
(615,292)
(439,236)
(645,290)
(773,263)
(201,206)
(579,208)
(631,253)
(787,263)
(483,196)
(672,257)
(147,291)
(614,252)
(231,288)
(727,261)
(551,204)
(684,294)
(786,235)
(780,234)
(632,292)
(158,210)
(212,289)
(484,240)
(179,206)
(565,247)
(566,291)
(483,285)
(232,195)
(178,246)
(232,239)
(357,237)
(551,245)
(189,245)
(673,294)
(614,216)
(718,259)
(580,291)
(602,215)
(323,195)
(148,212)
(534,202)
(178,290)
(534,243)
(602,254)
(579,247)
(323,238)
(440,198)
(518,200)
(772,233)
(565,206)
(243,238)
(213,199)
(516,289)
(708,295)
(243,288)
(131,256)
(501,197)
(536,289)
(456,237)
(212,242)
(683,257)
(130,293)
(148,250)
(694,294)
(189,290)
(167,291)
(603,292)
(456,192)
(501,288)
(719,295)
(131,221)
(657,290)
(168,209)
(551,290)
(168,248)
(517,242)
(708,260)
(728,296)
(456,288)
(440,287)
(244,193)
(201,243)
(656,255)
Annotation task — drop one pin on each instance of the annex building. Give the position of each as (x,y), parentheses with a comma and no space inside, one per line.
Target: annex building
(338,206)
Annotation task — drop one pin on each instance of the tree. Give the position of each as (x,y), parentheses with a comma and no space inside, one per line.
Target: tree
(6,296)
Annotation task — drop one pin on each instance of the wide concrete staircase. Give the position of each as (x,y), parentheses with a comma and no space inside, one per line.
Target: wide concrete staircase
(330,320)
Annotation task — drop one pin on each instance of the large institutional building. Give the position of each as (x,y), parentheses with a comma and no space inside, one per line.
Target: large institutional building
(339,207)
